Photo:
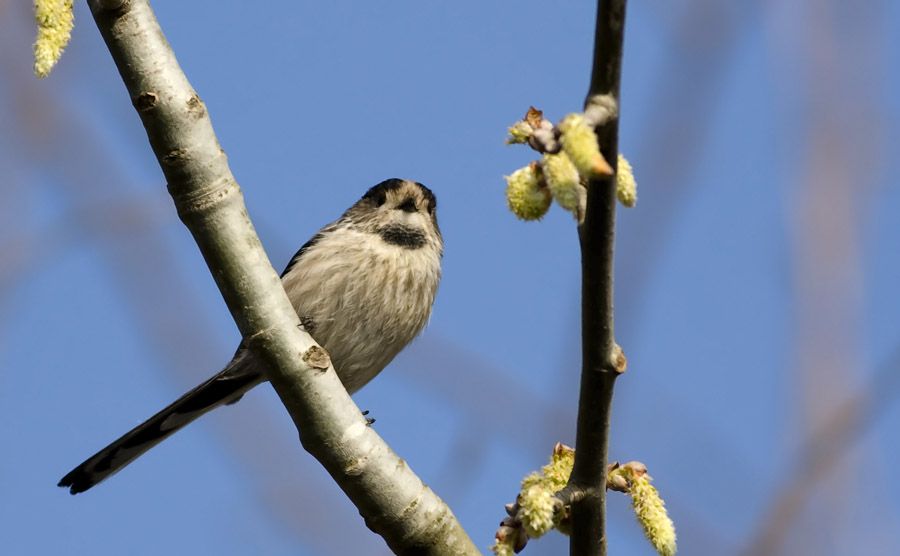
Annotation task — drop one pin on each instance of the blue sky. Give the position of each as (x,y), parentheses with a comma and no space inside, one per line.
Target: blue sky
(756,279)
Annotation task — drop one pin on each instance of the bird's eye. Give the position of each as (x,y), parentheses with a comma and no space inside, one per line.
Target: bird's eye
(380,199)
(407,205)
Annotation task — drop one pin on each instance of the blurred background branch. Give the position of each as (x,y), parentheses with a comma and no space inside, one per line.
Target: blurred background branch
(843,428)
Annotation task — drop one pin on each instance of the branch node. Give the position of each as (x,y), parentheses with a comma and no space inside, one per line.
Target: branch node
(145,101)
(570,494)
(601,109)
(618,361)
(175,157)
(317,358)
(195,107)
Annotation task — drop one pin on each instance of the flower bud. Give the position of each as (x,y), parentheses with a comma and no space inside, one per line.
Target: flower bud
(519,132)
(580,142)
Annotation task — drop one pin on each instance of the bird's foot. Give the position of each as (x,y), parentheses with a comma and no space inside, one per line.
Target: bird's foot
(369,420)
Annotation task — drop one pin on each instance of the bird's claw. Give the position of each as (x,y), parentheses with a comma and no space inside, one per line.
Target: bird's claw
(369,420)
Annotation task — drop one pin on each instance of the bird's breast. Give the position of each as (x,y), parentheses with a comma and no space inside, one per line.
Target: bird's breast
(363,299)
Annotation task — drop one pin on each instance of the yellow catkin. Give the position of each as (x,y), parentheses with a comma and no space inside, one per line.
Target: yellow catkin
(651,512)
(537,501)
(55,19)
(626,186)
(580,142)
(560,466)
(528,199)
(564,182)
(536,509)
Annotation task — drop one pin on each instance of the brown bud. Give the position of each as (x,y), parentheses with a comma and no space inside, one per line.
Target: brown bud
(534,117)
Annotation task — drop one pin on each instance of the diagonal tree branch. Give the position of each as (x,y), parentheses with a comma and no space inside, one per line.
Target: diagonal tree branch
(834,439)
(391,498)
(602,362)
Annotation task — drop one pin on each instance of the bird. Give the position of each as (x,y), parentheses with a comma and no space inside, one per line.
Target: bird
(363,287)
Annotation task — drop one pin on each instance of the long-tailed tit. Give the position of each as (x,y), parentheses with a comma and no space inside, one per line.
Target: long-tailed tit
(363,287)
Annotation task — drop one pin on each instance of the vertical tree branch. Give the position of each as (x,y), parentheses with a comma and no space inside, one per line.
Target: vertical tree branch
(601,363)
(391,498)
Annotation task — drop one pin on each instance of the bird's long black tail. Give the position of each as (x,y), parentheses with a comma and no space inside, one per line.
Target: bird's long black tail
(224,388)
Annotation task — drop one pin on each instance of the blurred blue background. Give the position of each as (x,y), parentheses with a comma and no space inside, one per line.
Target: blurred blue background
(756,279)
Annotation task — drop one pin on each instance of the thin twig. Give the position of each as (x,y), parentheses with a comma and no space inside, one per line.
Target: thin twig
(391,498)
(600,362)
